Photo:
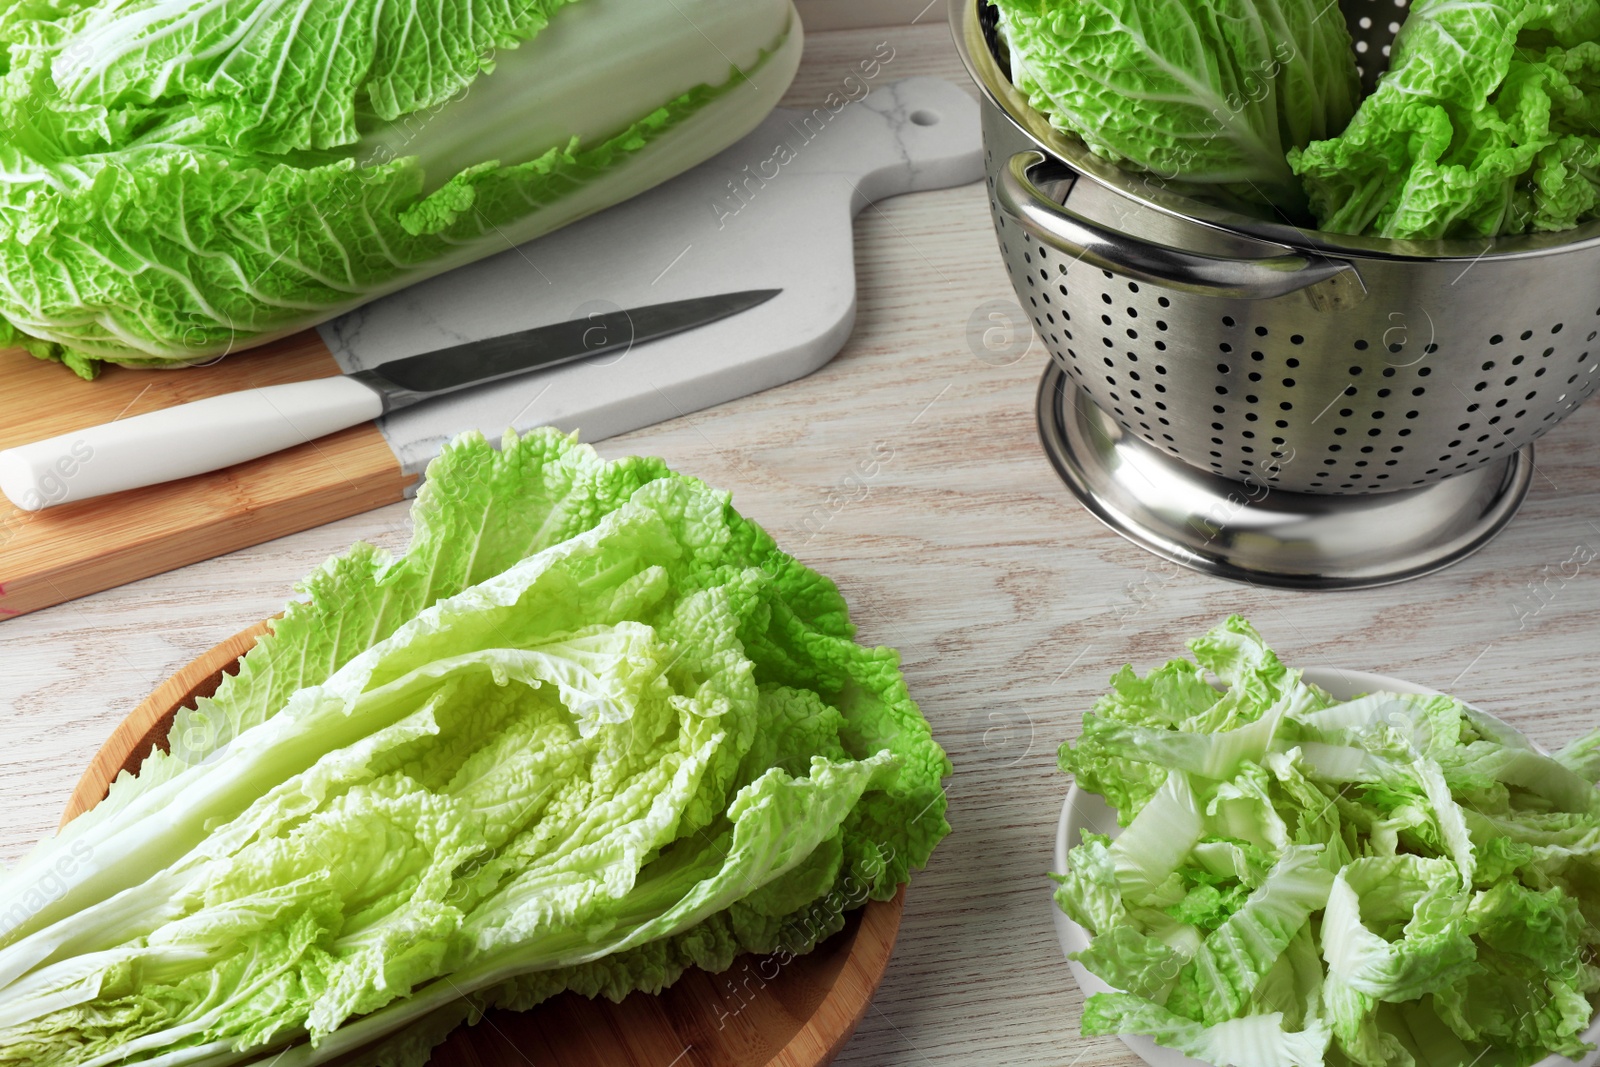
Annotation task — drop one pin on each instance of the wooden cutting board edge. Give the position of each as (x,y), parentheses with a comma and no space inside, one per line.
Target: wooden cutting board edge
(820,1037)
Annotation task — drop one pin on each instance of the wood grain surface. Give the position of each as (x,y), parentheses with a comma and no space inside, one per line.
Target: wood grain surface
(1010,604)
(51,556)
(762,1012)
(822,15)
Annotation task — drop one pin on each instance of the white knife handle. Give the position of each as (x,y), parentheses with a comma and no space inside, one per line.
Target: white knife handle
(180,441)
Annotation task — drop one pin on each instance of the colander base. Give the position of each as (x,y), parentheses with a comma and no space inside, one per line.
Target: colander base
(1261,535)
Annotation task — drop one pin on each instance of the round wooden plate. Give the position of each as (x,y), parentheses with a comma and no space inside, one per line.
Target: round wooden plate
(757,1014)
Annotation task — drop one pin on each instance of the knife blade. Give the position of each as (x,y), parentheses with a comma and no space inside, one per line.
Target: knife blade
(217,432)
(403,382)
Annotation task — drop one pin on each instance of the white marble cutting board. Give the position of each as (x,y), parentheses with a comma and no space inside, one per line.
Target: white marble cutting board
(773,211)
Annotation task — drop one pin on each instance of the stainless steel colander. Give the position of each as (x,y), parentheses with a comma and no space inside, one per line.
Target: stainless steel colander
(1309,362)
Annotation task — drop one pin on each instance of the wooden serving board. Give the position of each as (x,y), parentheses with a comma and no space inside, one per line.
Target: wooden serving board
(757,1014)
(711,230)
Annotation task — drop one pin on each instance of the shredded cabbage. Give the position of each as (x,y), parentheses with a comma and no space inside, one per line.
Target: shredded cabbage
(1445,872)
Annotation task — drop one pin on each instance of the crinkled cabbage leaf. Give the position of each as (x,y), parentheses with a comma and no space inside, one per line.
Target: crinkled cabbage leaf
(592,729)
(1208,91)
(180,179)
(1395,879)
(1484,124)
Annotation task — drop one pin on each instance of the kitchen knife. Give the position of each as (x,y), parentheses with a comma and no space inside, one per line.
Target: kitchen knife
(210,434)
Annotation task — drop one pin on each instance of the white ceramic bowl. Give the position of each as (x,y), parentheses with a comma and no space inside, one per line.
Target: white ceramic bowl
(1088,811)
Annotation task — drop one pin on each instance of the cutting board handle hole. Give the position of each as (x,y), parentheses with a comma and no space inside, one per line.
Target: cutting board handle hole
(924,117)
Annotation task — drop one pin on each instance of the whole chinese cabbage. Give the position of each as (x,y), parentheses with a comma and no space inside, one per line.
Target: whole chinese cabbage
(1389,881)
(592,729)
(1485,124)
(183,178)
(1208,91)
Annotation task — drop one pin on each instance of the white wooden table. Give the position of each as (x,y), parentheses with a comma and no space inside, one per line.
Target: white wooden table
(1010,604)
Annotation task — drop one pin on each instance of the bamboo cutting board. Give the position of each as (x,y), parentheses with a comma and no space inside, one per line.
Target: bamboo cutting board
(773,211)
(50,556)
(762,1012)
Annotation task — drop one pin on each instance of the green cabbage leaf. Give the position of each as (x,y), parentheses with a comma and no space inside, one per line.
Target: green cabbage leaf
(180,179)
(592,729)
(1483,125)
(1213,92)
(1393,879)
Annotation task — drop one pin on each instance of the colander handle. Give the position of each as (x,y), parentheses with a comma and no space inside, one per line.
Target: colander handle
(1067,231)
